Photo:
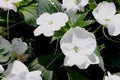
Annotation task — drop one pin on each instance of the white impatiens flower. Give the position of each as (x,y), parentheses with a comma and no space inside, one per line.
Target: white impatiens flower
(1,69)
(9,4)
(72,6)
(49,23)
(110,76)
(105,14)
(18,71)
(19,47)
(78,46)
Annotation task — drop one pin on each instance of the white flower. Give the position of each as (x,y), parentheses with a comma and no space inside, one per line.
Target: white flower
(49,23)
(19,46)
(104,13)
(71,6)
(1,69)
(78,46)
(112,76)
(9,4)
(18,71)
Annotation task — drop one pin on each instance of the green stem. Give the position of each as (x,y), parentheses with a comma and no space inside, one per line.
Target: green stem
(56,47)
(103,30)
(97,29)
(8,23)
(43,72)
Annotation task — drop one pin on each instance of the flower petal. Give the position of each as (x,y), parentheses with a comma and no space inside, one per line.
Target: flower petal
(59,19)
(14,1)
(11,6)
(12,77)
(114,25)
(4,41)
(84,40)
(45,17)
(104,12)
(34,75)
(20,46)
(83,2)
(79,45)
(17,68)
(49,23)
(1,69)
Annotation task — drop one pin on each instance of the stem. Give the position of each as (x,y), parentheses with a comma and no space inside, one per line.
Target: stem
(8,23)
(97,29)
(56,47)
(14,25)
(43,72)
(103,30)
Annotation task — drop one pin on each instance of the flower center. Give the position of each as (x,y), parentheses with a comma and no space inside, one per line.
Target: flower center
(107,19)
(76,49)
(77,2)
(51,22)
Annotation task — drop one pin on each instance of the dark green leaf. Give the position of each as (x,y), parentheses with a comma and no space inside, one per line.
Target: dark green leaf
(101,64)
(5,53)
(74,75)
(51,61)
(46,6)
(84,23)
(46,74)
(30,14)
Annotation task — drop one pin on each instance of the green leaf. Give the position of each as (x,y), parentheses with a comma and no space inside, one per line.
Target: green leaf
(78,17)
(30,14)
(60,33)
(51,61)
(74,75)
(111,60)
(5,53)
(101,64)
(46,74)
(46,6)
(85,23)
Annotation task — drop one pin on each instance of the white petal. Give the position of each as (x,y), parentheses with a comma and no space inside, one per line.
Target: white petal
(112,76)
(39,30)
(20,46)
(43,19)
(48,33)
(83,3)
(84,39)
(13,77)
(45,30)
(70,10)
(11,6)
(17,68)
(74,60)
(59,19)
(46,27)
(67,49)
(3,4)
(1,69)
(114,25)
(34,75)
(14,1)
(104,11)
(86,44)
(93,59)
(4,41)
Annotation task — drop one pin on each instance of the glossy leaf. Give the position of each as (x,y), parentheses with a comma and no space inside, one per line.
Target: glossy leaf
(30,14)
(46,74)
(46,6)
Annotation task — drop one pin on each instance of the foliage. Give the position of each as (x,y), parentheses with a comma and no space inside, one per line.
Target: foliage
(44,53)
